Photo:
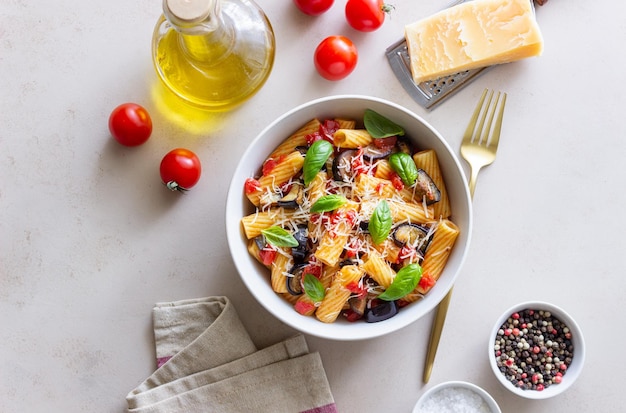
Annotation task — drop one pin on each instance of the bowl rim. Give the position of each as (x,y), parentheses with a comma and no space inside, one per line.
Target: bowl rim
(574,369)
(493,405)
(235,235)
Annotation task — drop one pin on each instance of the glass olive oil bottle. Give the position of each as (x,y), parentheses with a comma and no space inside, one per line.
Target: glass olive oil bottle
(214,54)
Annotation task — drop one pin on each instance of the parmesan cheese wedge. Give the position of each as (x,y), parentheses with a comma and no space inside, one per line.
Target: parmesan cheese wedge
(471,35)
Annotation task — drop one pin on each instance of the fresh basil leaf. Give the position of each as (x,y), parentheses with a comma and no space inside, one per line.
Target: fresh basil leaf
(313,288)
(315,158)
(405,281)
(379,126)
(279,237)
(328,203)
(404,166)
(380,222)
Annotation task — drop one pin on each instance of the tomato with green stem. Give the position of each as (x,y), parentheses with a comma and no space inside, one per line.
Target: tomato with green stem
(366,15)
(335,57)
(180,169)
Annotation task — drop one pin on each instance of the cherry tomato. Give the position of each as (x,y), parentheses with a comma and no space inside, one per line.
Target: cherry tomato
(366,15)
(335,57)
(180,169)
(130,124)
(313,7)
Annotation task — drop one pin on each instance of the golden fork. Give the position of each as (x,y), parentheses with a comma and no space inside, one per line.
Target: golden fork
(479,146)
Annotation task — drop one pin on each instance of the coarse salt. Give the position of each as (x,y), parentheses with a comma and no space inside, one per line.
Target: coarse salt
(454,400)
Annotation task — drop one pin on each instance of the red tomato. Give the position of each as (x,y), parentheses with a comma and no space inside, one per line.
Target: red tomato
(313,7)
(130,124)
(366,15)
(180,169)
(335,57)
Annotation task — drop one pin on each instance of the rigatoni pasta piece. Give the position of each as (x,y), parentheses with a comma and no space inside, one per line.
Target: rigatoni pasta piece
(428,161)
(338,293)
(253,249)
(352,138)
(333,242)
(440,247)
(405,211)
(379,269)
(286,168)
(254,223)
(436,257)
(346,123)
(298,138)
(367,186)
(317,187)
(279,268)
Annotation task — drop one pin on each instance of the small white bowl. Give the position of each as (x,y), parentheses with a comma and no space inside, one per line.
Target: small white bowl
(573,369)
(256,277)
(455,388)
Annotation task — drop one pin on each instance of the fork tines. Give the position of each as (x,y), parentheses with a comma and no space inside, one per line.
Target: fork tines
(475,130)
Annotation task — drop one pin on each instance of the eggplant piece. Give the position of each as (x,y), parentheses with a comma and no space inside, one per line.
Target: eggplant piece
(342,166)
(404,146)
(300,252)
(372,153)
(302,149)
(411,234)
(294,280)
(358,304)
(383,311)
(425,188)
(293,198)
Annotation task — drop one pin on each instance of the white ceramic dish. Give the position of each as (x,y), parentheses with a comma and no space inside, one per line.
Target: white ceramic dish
(455,386)
(573,370)
(256,277)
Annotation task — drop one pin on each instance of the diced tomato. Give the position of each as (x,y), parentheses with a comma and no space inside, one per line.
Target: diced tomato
(427,281)
(353,247)
(352,316)
(396,181)
(304,307)
(408,252)
(267,255)
(382,143)
(312,137)
(331,126)
(251,186)
(270,164)
(313,268)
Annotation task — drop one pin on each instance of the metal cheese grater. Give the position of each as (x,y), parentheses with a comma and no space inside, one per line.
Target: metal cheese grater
(430,93)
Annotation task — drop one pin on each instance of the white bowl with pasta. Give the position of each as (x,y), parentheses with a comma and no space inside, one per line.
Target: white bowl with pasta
(243,219)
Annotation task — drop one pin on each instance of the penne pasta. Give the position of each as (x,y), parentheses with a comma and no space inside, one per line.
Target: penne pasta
(377,268)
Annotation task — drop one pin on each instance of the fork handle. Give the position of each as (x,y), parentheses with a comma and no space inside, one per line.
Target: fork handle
(435,335)
(473,178)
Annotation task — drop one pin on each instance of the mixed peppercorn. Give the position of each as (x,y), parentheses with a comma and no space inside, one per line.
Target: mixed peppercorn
(533,349)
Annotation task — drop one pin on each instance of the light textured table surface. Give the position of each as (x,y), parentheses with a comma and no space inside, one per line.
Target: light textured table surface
(90,239)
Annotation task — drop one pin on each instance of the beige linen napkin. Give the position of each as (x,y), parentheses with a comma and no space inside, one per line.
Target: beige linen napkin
(208,363)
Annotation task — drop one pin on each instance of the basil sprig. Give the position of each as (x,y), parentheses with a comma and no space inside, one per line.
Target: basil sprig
(328,203)
(379,126)
(315,158)
(279,237)
(405,281)
(404,166)
(313,287)
(380,222)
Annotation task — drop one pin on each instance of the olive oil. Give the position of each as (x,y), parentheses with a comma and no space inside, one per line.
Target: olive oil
(215,59)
